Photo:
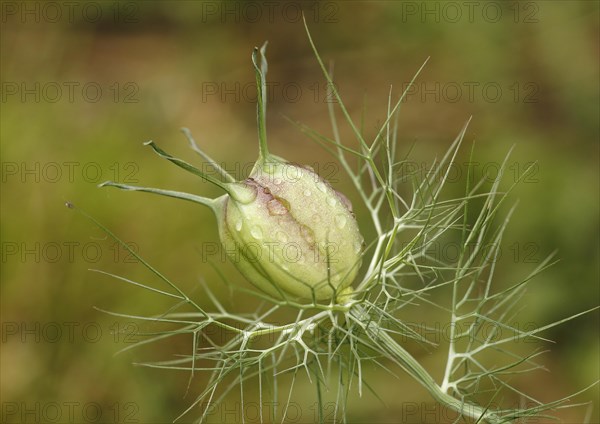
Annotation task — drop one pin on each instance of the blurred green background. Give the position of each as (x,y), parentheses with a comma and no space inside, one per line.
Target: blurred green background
(85,83)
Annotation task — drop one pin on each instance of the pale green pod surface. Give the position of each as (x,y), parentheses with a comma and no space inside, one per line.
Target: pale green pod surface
(294,236)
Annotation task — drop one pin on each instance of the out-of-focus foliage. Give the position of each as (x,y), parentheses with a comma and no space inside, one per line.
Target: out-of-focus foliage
(81,93)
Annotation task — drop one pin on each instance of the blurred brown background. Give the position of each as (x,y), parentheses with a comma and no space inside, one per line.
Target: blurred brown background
(85,83)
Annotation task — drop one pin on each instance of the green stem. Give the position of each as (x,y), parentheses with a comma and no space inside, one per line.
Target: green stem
(228,177)
(417,371)
(184,165)
(213,204)
(261,106)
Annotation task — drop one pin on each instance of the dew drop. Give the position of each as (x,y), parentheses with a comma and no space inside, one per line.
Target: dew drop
(307,234)
(276,207)
(244,193)
(322,187)
(277,181)
(268,168)
(358,246)
(238,225)
(340,221)
(331,201)
(256,232)
(307,193)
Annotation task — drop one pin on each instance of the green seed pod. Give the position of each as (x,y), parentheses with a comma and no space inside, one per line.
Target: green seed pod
(292,234)
(284,227)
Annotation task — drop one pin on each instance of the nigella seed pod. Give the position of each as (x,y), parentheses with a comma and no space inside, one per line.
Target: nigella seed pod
(284,227)
(294,236)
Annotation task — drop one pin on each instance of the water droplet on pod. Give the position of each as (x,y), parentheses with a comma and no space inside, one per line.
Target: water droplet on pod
(331,201)
(340,221)
(307,234)
(238,225)
(357,247)
(307,193)
(256,232)
(269,168)
(244,193)
(322,187)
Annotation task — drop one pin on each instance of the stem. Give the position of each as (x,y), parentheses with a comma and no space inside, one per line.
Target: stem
(184,165)
(207,158)
(261,106)
(416,370)
(213,204)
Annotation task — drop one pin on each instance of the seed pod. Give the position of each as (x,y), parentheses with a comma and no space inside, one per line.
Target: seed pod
(284,227)
(294,236)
